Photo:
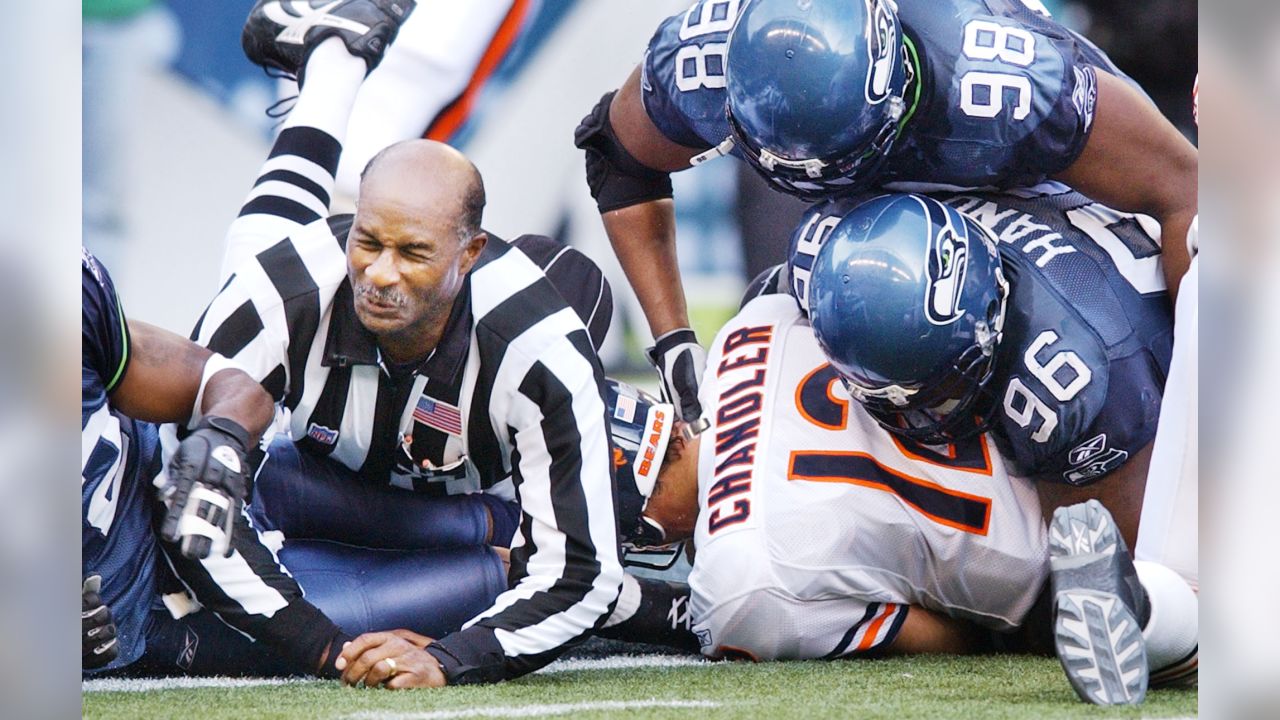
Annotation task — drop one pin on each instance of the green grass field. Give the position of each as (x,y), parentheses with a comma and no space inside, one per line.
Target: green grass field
(974,688)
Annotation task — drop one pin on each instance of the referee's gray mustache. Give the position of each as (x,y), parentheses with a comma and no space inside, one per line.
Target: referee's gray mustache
(385,296)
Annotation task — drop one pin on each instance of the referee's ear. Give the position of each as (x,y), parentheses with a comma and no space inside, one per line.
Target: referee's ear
(471,252)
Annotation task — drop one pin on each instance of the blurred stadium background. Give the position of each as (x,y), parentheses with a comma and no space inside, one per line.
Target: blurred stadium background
(175,129)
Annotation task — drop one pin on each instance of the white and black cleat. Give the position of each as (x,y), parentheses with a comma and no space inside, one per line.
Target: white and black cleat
(280,34)
(1099,607)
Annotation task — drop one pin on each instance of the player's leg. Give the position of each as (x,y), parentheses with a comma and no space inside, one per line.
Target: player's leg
(432,592)
(654,612)
(434,59)
(1099,607)
(1169,532)
(1116,626)
(295,184)
(308,497)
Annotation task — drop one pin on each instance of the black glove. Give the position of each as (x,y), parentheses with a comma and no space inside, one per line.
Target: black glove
(680,361)
(207,484)
(97,629)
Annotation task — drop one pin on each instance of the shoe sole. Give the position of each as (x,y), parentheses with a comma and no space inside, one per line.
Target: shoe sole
(1097,637)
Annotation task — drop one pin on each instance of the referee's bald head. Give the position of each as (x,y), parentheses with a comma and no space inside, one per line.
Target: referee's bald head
(432,174)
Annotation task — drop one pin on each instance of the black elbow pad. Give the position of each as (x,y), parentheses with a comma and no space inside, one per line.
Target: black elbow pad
(617,180)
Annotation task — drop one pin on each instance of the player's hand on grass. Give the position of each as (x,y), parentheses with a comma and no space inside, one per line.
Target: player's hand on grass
(97,628)
(395,660)
(207,484)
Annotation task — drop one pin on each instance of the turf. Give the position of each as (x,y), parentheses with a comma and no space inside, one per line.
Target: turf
(936,687)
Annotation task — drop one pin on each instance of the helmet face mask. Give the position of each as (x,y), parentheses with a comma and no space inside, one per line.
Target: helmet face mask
(816,92)
(907,299)
(640,428)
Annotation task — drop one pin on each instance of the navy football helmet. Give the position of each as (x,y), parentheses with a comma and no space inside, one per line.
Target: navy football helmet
(640,428)
(907,299)
(816,91)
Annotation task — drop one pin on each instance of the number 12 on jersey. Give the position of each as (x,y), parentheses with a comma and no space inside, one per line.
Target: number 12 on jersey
(821,407)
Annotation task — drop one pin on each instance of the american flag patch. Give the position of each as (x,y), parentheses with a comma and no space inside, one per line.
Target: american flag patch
(439,415)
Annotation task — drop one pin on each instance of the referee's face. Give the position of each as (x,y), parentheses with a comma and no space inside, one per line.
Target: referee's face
(406,263)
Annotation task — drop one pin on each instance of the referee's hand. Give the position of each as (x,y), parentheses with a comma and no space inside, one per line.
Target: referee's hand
(207,483)
(97,628)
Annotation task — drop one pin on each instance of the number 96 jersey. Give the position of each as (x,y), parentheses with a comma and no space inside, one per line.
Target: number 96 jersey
(1004,96)
(1088,332)
(817,529)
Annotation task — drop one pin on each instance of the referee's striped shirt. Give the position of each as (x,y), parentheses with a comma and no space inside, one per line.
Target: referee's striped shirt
(515,377)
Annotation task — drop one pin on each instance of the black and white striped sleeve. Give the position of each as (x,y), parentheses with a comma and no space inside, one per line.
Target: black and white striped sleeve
(565,568)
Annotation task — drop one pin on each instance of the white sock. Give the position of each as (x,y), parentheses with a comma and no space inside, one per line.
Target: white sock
(628,601)
(1172,633)
(333,79)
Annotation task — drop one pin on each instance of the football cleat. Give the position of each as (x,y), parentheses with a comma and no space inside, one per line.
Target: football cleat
(1099,607)
(281,34)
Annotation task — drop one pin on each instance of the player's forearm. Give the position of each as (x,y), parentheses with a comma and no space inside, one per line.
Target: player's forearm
(644,238)
(232,394)
(1137,161)
(1176,257)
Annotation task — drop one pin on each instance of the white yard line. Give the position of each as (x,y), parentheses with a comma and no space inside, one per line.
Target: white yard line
(179,683)
(616,662)
(525,711)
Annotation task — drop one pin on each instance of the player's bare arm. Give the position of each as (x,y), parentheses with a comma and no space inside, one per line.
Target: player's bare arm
(164,378)
(1121,491)
(1136,160)
(644,235)
(207,477)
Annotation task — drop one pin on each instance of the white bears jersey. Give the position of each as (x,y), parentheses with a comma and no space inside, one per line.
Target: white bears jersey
(817,528)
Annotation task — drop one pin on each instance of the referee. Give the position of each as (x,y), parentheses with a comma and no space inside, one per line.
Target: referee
(415,356)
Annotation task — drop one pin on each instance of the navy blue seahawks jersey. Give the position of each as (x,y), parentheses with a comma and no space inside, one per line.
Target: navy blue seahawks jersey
(1088,329)
(1005,94)
(117,457)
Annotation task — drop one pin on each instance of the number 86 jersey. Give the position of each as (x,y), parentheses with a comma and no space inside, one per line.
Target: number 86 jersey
(817,529)
(1003,95)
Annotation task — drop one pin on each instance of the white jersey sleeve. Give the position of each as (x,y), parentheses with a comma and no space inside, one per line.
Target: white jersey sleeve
(818,529)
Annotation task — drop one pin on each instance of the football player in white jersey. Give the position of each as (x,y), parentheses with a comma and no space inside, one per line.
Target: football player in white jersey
(820,535)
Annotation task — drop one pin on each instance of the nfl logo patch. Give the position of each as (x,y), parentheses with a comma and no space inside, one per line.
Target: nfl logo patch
(322,434)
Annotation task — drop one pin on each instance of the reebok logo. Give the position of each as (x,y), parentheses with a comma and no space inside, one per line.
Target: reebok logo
(299,17)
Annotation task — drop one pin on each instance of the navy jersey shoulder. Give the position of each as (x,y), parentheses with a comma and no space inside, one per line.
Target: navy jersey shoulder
(119,456)
(683,74)
(1006,95)
(104,336)
(1087,337)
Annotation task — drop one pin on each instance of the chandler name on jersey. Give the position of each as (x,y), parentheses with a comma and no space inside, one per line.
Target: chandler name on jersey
(1003,95)
(817,529)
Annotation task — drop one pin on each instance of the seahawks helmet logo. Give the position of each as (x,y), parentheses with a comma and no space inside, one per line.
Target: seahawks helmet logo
(947,261)
(882,40)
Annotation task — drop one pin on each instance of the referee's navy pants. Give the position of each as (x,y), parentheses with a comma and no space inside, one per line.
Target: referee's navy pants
(371,557)
(308,497)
